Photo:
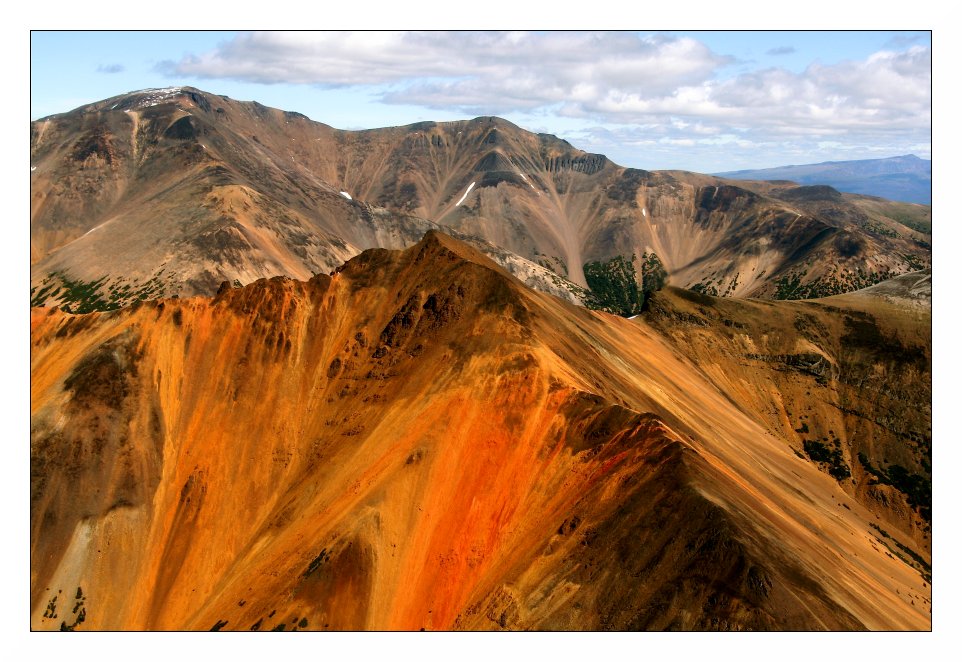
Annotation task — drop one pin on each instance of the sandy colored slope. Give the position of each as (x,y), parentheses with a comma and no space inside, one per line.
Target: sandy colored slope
(420,441)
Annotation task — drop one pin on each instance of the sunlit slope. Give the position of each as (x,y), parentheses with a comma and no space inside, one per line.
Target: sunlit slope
(416,442)
(845,380)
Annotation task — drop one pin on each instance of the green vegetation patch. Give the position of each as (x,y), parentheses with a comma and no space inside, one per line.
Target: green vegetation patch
(79,296)
(614,283)
(838,281)
(879,229)
(921,223)
(705,287)
(915,263)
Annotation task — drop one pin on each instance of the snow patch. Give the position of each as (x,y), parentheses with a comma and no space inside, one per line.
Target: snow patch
(154,96)
(346,195)
(465,195)
(632,317)
(96,228)
(32,168)
(644,212)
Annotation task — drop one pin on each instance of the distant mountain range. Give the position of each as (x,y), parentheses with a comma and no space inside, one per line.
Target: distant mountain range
(904,178)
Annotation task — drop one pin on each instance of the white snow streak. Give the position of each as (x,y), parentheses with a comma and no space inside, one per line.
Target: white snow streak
(465,195)
(92,229)
(346,195)
(32,168)
(644,212)
(526,180)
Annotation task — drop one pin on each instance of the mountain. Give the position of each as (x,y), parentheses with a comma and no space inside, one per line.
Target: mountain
(418,440)
(171,192)
(903,178)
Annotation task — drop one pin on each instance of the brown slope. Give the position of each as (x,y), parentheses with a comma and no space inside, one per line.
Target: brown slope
(850,373)
(420,441)
(160,193)
(877,216)
(206,188)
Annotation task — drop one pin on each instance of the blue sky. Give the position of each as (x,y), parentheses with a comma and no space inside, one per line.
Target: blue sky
(702,101)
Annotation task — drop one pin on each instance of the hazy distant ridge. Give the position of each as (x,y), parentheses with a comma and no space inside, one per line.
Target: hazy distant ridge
(905,178)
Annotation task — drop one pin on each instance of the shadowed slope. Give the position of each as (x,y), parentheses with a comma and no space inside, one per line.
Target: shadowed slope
(420,441)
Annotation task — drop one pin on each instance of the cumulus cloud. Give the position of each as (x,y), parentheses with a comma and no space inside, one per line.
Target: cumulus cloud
(888,92)
(110,68)
(470,70)
(666,86)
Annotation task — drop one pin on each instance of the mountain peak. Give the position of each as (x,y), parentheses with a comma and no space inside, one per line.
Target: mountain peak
(437,243)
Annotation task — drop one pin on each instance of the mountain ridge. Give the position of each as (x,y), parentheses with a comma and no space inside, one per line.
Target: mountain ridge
(905,178)
(466,453)
(237,190)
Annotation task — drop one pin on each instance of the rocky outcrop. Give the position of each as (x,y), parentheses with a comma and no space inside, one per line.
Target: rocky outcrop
(587,164)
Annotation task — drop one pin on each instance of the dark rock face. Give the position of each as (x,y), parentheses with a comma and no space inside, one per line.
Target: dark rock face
(722,198)
(625,188)
(182,129)
(493,161)
(588,164)
(811,193)
(200,100)
(809,363)
(496,177)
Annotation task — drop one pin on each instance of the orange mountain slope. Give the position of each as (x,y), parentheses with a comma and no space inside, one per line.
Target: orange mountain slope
(420,441)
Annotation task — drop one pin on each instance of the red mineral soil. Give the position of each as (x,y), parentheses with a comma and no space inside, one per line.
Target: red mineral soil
(420,441)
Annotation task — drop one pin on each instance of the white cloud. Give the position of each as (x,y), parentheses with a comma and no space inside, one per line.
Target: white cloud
(462,69)
(663,86)
(889,93)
